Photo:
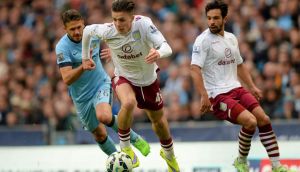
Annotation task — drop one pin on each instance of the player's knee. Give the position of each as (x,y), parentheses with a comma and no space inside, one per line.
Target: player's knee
(264,121)
(129,103)
(158,122)
(105,118)
(99,134)
(251,123)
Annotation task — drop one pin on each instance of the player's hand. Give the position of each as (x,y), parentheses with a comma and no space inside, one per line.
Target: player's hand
(106,54)
(205,105)
(256,92)
(152,56)
(88,64)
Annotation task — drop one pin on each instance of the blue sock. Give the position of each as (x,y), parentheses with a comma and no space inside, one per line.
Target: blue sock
(114,126)
(107,146)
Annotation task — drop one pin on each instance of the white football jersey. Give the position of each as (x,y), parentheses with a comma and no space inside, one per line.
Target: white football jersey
(129,51)
(218,58)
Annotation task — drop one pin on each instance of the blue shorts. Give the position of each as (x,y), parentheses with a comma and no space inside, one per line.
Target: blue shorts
(87,110)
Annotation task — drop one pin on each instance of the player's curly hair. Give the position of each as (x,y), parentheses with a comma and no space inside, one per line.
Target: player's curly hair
(123,6)
(70,15)
(217,4)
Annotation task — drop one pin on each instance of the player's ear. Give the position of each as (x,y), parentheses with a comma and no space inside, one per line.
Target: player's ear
(225,19)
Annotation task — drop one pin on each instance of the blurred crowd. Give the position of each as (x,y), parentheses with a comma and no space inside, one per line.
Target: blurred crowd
(32,91)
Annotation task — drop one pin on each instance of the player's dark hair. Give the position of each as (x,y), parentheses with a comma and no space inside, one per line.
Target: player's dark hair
(123,6)
(70,15)
(217,4)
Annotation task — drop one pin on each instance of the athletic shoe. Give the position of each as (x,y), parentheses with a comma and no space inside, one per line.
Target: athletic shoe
(172,163)
(241,166)
(134,158)
(282,169)
(142,145)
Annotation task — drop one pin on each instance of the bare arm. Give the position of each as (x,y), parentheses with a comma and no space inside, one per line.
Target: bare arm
(70,75)
(199,85)
(245,76)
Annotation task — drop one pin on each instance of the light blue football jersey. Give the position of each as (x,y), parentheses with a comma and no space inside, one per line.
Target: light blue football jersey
(68,53)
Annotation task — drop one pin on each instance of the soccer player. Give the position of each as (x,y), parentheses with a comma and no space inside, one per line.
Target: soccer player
(90,90)
(216,65)
(135,44)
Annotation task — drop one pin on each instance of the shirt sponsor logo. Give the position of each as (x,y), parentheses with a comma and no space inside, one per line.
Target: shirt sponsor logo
(127,48)
(226,62)
(130,56)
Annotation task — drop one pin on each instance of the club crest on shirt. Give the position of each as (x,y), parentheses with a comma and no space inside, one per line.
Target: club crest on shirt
(228,53)
(223,106)
(94,44)
(60,57)
(136,35)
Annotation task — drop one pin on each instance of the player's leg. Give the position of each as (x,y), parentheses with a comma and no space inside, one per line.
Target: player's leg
(266,133)
(87,116)
(268,138)
(248,123)
(104,141)
(105,116)
(226,107)
(128,102)
(102,104)
(161,127)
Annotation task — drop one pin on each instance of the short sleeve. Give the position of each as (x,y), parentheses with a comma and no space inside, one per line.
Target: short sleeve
(153,35)
(239,58)
(200,52)
(62,56)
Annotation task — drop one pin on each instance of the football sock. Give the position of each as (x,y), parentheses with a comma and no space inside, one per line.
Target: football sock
(114,126)
(124,136)
(167,146)
(268,139)
(245,137)
(107,145)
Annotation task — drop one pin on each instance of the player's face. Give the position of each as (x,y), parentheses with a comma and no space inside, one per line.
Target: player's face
(75,29)
(122,21)
(215,21)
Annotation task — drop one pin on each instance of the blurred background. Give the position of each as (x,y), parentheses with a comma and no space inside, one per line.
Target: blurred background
(35,108)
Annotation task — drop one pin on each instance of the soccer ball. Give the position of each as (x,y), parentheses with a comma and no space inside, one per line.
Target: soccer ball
(119,162)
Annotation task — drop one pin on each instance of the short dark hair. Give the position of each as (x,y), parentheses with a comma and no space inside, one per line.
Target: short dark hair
(70,15)
(123,6)
(217,4)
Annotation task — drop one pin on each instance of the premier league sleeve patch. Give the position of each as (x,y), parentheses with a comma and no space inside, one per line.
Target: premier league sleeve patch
(153,29)
(60,57)
(196,49)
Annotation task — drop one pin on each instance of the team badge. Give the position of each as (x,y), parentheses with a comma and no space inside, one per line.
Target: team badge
(136,35)
(228,53)
(60,57)
(94,44)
